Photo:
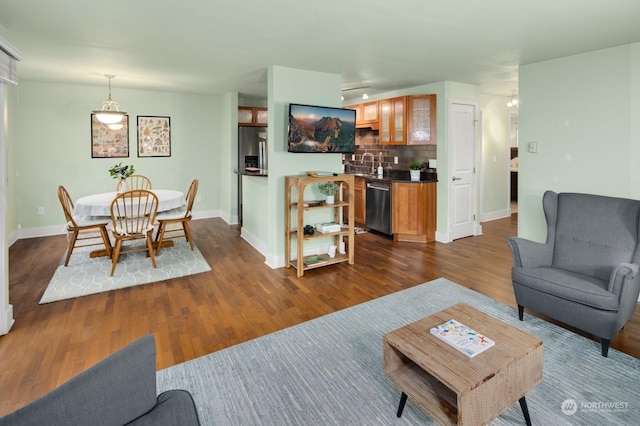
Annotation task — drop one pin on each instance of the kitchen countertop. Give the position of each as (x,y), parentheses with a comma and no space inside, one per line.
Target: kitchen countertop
(398,176)
(259,172)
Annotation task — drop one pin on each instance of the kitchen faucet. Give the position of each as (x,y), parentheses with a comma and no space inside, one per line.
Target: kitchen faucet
(373,168)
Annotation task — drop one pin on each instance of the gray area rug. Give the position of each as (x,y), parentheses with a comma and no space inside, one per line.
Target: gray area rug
(86,275)
(328,371)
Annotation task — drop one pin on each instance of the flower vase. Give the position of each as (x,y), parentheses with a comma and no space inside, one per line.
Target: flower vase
(330,199)
(124,185)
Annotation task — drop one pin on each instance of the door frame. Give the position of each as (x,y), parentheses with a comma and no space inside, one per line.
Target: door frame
(477,228)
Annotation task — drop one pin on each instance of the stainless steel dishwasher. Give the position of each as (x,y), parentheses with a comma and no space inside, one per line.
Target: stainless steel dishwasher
(379,207)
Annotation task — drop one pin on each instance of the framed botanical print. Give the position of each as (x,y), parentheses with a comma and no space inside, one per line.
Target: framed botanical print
(154,136)
(109,140)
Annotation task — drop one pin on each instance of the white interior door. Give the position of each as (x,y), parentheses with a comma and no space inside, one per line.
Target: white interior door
(463,159)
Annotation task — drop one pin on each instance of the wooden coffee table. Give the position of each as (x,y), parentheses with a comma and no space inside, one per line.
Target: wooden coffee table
(452,387)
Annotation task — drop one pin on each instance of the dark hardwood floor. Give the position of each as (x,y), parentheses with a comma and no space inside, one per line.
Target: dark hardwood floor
(240,299)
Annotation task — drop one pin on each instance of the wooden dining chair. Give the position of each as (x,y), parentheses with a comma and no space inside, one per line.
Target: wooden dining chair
(82,228)
(135,182)
(132,215)
(180,216)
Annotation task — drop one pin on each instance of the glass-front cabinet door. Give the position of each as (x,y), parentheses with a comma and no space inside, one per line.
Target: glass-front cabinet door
(421,120)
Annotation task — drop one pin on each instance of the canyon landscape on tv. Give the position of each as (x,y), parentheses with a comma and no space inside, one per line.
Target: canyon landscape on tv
(315,129)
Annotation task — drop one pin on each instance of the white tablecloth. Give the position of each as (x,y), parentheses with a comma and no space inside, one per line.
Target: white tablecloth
(100,204)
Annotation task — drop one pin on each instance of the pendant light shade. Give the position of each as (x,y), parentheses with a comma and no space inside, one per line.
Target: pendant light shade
(513,102)
(109,112)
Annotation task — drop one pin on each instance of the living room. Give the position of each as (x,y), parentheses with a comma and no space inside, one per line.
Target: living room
(578,108)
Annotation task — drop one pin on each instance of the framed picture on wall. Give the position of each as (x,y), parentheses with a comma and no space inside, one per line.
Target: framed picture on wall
(154,136)
(109,140)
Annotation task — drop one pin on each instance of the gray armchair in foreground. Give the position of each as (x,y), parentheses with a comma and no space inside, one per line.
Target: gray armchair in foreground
(119,390)
(586,274)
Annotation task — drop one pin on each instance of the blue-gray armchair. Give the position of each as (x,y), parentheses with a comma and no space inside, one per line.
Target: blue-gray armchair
(586,274)
(119,390)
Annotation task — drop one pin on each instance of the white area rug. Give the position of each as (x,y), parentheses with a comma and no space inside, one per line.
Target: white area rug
(86,275)
(329,371)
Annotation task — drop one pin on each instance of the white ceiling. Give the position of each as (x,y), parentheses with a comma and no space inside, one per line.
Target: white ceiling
(215,46)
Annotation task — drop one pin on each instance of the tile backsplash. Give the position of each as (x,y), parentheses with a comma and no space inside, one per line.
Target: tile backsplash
(367,141)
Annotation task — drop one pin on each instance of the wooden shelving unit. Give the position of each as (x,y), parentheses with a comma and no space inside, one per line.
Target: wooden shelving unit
(294,228)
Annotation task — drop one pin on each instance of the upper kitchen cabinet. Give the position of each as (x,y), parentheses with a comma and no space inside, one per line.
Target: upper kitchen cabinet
(408,120)
(366,115)
(393,121)
(421,120)
(252,116)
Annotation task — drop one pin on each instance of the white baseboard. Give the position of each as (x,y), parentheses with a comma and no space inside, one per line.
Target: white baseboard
(6,320)
(495,215)
(443,237)
(47,231)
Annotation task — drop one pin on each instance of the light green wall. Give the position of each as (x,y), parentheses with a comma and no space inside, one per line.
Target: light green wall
(53,145)
(285,86)
(583,113)
(229,158)
(495,158)
(11,105)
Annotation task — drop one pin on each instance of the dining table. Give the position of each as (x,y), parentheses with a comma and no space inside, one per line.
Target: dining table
(100,204)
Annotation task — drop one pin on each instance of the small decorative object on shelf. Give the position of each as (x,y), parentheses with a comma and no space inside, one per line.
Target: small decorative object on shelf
(319,174)
(314,260)
(414,169)
(328,189)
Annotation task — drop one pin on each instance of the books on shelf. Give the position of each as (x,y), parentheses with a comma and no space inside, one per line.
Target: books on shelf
(462,338)
(313,203)
(320,174)
(314,260)
(328,227)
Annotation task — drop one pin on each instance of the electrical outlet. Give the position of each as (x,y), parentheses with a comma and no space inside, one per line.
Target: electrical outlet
(395,160)
(532,147)
(353,157)
(40,210)
(198,199)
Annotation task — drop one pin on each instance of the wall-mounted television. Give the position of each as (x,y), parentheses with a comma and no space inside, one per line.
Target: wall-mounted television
(316,129)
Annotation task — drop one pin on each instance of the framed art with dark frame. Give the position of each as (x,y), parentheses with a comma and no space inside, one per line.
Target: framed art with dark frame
(154,136)
(109,140)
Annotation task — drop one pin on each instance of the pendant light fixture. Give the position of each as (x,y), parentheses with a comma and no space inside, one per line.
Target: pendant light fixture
(109,112)
(514,100)
(115,126)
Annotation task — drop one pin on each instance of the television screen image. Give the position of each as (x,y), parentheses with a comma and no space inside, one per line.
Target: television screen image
(318,129)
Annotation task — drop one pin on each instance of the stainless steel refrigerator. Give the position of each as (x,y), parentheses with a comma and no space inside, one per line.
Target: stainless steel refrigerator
(252,157)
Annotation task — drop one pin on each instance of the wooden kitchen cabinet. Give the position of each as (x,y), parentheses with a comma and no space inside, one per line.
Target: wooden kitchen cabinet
(252,116)
(414,211)
(393,121)
(366,115)
(359,200)
(407,120)
(421,120)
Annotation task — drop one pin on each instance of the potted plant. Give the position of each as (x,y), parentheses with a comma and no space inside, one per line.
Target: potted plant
(414,169)
(121,172)
(328,189)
